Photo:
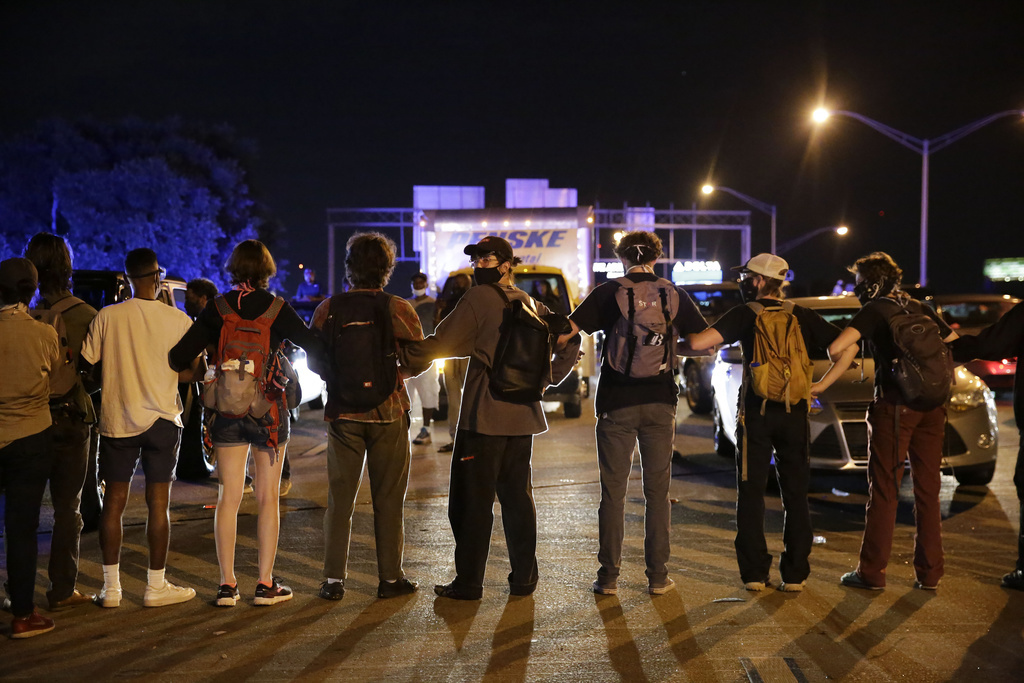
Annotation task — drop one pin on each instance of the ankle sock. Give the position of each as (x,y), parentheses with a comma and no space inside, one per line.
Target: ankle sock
(335,581)
(155,577)
(112,576)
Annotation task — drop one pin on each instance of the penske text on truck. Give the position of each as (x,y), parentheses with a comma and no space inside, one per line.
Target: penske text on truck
(556,246)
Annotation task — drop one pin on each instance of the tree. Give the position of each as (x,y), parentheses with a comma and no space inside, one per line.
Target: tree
(179,188)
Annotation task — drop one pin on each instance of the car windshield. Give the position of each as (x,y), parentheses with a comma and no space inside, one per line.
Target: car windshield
(974,313)
(840,317)
(547,289)
(714,302)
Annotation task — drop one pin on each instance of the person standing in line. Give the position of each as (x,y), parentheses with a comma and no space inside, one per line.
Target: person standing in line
(140,419)
(73,416)
(373,434)
(634,410)
(250,268)
(454,368)
(494,445)
(425,385)
(768,426)
(895,430)
(1005,339)
(29,352)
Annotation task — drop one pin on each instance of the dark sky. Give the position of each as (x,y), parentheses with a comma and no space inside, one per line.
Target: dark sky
(353,103)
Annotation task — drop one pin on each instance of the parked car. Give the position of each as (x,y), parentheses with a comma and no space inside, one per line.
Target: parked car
(970,314)
(838,418)
(695,371)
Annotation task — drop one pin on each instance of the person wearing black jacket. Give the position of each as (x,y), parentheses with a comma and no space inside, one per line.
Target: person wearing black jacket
(250,266)
(1005,339)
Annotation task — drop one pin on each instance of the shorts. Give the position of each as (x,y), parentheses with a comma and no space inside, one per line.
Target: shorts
(426,386)
(227,431)
(157,447)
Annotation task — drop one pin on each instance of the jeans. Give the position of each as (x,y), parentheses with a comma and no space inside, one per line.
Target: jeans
(652,426)
(67,476)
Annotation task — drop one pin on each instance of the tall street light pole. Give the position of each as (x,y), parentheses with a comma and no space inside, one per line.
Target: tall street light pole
(756,203)
(924,147)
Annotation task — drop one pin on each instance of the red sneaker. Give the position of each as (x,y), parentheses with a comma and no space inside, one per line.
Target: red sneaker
(32,625)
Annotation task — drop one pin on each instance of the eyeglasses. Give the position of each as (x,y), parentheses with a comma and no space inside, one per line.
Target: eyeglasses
(484,261)
(162,272)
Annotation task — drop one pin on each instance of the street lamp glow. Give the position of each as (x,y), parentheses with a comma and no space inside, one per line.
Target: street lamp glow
(842,230)
(820,115)
(707,189)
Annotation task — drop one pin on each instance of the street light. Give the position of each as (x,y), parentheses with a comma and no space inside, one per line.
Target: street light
(756,203)
(840,230)
(924,147)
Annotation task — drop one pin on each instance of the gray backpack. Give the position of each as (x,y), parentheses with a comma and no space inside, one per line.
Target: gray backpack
(643,342)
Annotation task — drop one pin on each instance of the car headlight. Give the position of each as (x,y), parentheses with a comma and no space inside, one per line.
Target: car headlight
(967,399)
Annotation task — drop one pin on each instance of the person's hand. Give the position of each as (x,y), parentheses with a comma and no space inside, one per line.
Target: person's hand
(816,390)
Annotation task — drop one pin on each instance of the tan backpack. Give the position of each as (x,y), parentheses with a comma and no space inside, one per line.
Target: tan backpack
(780,369)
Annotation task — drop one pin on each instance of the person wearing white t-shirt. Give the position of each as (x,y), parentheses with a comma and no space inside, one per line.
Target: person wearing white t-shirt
(140,419)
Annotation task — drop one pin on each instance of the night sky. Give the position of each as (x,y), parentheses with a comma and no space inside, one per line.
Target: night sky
(353,103)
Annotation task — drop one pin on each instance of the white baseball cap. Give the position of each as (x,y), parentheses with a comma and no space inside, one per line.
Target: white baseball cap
(768,265)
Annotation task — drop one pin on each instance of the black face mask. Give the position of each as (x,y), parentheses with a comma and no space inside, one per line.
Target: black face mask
(748,290)
(487,276)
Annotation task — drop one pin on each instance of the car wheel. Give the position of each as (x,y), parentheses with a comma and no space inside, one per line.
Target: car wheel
(573,409)
(698,396)
(723,446)
(979,475)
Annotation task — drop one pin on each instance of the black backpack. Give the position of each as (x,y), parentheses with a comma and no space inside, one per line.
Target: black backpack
(361,347)
(923,365)
(522,360)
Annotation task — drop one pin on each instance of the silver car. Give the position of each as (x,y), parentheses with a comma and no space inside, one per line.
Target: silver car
(713,300)
(838,418)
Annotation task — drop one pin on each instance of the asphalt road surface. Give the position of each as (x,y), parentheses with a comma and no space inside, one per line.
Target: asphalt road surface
(709,629)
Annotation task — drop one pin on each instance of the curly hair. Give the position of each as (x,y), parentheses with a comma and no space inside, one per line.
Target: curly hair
(369,261)
(52,256)
(878,267)
(639,247)
(250,262)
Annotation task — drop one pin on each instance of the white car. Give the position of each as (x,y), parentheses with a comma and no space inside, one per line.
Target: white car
(838,418)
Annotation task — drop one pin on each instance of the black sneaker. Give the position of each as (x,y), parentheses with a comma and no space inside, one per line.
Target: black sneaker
(271,595)
(227,595)
(395,588)
(332,591)
(1014,580)
(453,592)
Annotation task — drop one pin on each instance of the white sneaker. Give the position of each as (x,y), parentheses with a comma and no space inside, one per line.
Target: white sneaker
(792,587)
(424,437)
(661,589)
(109,597)
(168,594)
(756,586)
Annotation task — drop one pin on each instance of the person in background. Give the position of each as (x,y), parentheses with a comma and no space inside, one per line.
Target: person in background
(308,290)
(29,350)
(140,419)
(454,368)
(250,267)
(425,385)
(198,292)
(73,416)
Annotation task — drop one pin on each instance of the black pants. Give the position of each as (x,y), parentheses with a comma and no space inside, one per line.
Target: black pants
(24,467)
(483,466)
(67,475)
(786,434)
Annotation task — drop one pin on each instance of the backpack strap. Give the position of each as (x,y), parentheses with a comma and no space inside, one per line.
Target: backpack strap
(273,310)
(223,307)
(66,304)
(501,292)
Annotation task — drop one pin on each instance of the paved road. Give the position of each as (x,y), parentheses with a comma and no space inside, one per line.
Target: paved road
(709,629)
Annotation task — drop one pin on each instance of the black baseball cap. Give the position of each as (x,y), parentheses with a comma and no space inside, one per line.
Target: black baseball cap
(491,244)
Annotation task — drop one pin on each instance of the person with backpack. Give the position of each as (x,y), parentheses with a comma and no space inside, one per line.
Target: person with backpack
(913,378)
(72,412)
(1004,339)
(140,419)
(367,412)
(499,417)
(29,351)
(245,392)
(642,316)
(775,394)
